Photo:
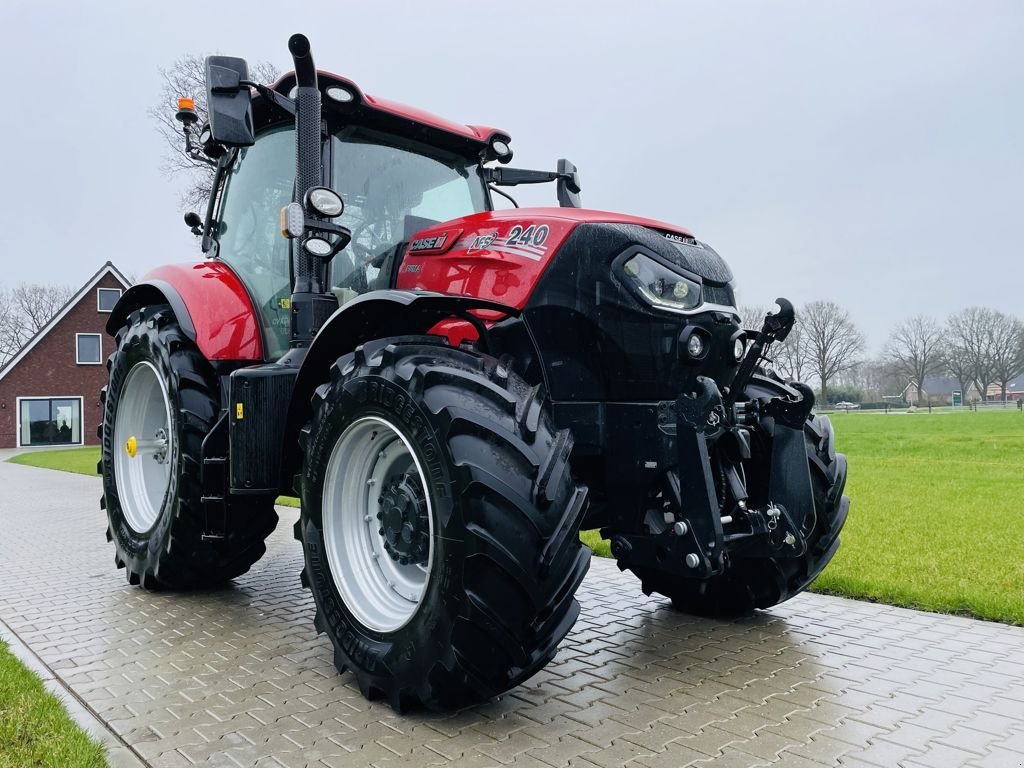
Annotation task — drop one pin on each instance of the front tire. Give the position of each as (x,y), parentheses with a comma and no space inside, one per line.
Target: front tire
(439,523)
(160,402)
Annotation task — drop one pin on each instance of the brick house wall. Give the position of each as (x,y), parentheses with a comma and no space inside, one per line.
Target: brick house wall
(50,369)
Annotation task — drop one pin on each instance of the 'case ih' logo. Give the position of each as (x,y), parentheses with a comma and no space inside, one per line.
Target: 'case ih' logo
(429,243)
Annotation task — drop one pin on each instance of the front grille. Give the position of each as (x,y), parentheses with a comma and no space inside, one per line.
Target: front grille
(718,294)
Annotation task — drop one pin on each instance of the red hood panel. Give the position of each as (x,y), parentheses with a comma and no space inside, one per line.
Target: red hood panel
(499,255)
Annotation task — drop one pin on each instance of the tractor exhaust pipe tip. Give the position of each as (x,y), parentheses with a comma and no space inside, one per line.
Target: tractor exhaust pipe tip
(305,71)
(298,44)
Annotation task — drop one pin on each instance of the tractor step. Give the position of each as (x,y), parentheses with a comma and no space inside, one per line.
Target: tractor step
(215,480)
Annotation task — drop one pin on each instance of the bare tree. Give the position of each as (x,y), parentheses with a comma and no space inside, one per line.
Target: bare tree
(11,333)
(791,357)
(25,310)
(752,316)
(186,78)
(874,378)
(1007,350)
(916,348)
(973,332)
(833,341)
(959,365)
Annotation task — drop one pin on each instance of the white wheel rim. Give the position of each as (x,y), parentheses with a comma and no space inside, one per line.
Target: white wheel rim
(381,593)
(143,446)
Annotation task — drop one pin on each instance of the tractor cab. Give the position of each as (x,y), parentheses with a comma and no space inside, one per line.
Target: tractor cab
(398,171)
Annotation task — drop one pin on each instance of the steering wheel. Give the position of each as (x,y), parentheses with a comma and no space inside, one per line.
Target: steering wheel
(361,256)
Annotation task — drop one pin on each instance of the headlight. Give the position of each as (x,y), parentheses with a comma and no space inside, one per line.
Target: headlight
(695,345)
(660,285)
(738,349)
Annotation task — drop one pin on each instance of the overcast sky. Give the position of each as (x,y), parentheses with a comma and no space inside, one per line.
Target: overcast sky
(870,153)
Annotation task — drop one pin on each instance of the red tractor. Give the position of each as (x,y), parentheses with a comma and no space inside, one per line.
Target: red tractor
(452,390)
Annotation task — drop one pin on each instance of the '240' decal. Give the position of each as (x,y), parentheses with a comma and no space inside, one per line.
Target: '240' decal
(535,236)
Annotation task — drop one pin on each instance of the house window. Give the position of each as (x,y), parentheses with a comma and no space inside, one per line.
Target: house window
(50,421)
(106,298)
(88,348)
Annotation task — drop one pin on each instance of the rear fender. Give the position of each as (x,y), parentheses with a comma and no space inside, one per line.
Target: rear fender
(375,315)
(210,303)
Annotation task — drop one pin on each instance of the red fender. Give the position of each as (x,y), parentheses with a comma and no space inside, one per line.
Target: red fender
(219,315)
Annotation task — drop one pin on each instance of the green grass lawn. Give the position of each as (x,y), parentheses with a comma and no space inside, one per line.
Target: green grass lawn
(80,460)
(35,731)
(935,522)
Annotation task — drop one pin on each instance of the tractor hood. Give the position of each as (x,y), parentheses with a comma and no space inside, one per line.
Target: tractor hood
(500,255)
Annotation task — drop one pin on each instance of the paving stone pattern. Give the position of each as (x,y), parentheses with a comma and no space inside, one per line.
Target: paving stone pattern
(238,676)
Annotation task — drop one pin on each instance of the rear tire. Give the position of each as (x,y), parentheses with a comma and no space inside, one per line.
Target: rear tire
(483,582)
(757,583)
(161,384)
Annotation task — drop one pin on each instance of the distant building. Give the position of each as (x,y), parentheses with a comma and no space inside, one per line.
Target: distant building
(49,390)
(1014,390)
(940,389)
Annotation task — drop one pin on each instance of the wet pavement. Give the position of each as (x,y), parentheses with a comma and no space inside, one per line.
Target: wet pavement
(238,676)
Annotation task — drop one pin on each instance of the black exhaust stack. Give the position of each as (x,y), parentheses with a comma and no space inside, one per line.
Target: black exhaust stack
(312,303)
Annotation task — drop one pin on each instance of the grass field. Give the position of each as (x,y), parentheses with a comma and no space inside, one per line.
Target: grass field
(934,523)
(35,731)
(935,520)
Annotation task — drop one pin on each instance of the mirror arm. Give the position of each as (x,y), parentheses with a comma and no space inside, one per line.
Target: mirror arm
(209,242)
(191,150)
(198,156)
(511,177)
(281,102)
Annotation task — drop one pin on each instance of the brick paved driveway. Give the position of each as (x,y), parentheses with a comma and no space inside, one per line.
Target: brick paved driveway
(238,676)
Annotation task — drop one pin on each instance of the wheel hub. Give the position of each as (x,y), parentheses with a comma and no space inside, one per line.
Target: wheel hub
(405,521)
(142,427)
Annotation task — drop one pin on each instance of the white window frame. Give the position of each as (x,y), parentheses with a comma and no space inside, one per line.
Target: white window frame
(89,362)
(120,293)
(81,418)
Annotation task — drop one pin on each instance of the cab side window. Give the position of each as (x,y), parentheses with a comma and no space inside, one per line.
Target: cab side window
(259,183)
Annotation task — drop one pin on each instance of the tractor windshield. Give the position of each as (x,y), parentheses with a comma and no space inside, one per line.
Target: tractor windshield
(392,189)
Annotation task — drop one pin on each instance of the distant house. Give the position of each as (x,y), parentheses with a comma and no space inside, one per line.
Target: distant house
(1014,390)
(940,390)
(49,390)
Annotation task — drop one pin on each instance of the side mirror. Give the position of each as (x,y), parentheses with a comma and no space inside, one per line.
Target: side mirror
(229,102)
(568,185)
